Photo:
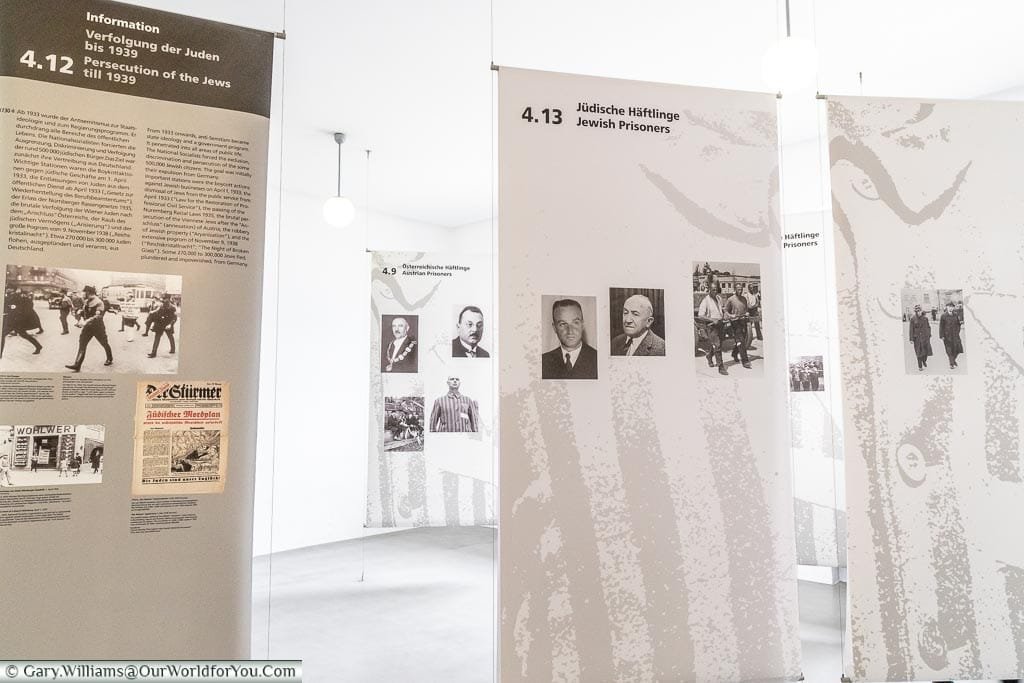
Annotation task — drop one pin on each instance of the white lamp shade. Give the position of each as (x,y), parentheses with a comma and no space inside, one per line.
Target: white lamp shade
(790,65)
(339,211)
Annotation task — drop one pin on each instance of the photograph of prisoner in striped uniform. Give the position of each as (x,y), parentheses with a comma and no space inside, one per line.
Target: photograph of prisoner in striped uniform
(455,412)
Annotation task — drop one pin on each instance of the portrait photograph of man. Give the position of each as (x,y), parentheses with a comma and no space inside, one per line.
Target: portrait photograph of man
(636,321)
(933,331)
(568,322)
(399,344)
(455,412)
(469,333)
(727,319)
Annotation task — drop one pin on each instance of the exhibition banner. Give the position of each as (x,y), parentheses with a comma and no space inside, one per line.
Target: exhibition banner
(927,208)
(432,355)
(133,151)
(646,528)
(815,401)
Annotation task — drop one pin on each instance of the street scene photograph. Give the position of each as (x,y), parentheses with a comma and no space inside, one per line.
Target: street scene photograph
(71,320)
(727,334)
(50,455)
(934,339)
(806,373)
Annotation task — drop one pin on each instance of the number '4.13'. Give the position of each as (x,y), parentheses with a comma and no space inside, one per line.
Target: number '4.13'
(552,116)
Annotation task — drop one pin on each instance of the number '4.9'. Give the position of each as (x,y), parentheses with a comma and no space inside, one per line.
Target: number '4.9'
(552,116)
(29,60)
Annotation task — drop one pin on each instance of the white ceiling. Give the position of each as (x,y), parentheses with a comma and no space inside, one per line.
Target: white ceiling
(409,79)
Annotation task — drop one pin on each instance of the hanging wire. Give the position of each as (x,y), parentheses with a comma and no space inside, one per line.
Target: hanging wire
(277,329)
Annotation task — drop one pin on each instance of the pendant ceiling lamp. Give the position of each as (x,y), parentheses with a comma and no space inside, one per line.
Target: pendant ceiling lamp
(790,64)
(339,210)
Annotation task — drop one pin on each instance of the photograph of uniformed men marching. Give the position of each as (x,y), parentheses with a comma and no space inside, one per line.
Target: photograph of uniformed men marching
(933,331)
(76,320)
(727,319)
(807,373)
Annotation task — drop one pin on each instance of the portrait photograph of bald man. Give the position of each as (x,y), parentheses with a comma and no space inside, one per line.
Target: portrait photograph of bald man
(636,321)
(569,323)
(469,332)
(399,346)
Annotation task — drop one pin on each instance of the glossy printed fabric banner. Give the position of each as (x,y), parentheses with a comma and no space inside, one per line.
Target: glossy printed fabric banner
(432,350)
(133,172)
(646,526)
(929,257)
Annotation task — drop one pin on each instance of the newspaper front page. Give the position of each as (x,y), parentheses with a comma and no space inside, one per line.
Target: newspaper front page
(181,438)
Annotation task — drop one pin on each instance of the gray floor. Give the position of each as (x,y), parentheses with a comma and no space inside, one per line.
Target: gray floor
(424,610)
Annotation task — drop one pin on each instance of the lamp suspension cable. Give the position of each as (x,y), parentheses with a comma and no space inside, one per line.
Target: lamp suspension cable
(339,138)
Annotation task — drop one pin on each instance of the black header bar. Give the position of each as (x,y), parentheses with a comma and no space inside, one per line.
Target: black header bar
(116,47)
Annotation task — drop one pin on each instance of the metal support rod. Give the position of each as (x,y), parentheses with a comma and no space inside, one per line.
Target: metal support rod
(787,19)
(339,138)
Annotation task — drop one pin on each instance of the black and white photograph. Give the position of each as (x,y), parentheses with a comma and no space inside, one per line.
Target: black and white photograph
(50,455)
(636,324)
(933,331)
(92,321)
(807,373)
(568,332)
(469,333)
(399,343)
(403,423)
(454,411)
(727,319)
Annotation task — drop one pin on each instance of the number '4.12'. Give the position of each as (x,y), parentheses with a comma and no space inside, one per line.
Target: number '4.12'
(552,116)
(29,60)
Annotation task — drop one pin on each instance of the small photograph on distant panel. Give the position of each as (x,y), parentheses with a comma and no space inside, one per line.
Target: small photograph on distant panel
(568,324)
(50,455)
(727,319)
(399,344)
(806,373)
(636,321)
(454,411)
(96,321)
(933,320)
(469,333)
(403,423)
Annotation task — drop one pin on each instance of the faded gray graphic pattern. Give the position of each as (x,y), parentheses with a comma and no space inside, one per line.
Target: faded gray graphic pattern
(646,516)
(920,194)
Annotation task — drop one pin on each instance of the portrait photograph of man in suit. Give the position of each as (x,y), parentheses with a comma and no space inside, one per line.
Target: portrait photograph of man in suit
(469,333)
(571,321)
(637,321)
(399,346)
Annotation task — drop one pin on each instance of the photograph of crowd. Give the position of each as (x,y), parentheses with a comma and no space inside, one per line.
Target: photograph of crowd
(74,320)
(636,321)
(807,373)
(568,324)
(403,423)
(399,344)
(50,455)
(933,314)
(727,318)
